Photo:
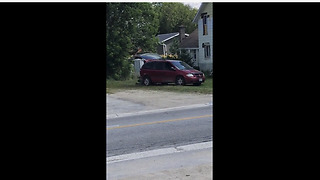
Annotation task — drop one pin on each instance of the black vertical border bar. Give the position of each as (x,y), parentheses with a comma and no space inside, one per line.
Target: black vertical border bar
(214,153)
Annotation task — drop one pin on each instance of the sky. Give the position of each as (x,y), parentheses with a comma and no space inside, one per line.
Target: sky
(193,4)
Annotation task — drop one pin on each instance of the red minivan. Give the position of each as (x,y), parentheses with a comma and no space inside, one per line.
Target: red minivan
(170,71)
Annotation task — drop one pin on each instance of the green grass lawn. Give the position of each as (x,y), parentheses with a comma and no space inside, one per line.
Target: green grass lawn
(113,86)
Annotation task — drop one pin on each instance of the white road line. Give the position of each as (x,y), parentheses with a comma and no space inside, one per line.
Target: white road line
(158,152)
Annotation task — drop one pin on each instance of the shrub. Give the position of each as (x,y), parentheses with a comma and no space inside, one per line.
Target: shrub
(196,67)
(208,73)
(185,56)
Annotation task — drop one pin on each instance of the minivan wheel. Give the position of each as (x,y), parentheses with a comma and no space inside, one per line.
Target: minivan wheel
(146,81)
(180,80)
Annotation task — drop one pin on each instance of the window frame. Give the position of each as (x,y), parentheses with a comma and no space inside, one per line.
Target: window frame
(204,18)
(207,51)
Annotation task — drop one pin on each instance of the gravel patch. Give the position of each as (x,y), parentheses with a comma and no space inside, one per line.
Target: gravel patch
(161,99)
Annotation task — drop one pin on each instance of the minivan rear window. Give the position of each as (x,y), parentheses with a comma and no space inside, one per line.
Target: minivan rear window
(148,65)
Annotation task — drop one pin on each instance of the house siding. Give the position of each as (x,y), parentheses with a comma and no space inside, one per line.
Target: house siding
(206,63)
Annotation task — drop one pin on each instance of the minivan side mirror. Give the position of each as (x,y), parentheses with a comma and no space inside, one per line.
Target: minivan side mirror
(172,68)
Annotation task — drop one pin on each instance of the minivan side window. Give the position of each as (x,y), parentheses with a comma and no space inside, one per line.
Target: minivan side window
(167,66)
(147,65)
(158,65)
(163,66)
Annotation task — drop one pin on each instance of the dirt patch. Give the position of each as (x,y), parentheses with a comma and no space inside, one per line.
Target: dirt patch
(201,172)
(162,99)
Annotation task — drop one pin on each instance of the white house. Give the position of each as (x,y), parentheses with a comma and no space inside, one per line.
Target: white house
(205,35)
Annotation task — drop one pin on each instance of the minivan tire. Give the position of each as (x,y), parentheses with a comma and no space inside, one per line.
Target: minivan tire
(146,81)
(180,81)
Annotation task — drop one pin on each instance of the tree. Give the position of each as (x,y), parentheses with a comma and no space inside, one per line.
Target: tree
(174,48)
(172,15)
(129,26)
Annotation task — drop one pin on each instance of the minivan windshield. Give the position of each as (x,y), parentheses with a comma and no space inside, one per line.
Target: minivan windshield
(181,65)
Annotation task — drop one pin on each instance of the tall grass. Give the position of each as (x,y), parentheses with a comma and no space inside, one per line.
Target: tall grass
(114,86)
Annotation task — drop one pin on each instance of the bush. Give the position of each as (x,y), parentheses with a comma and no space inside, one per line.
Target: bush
(185,56)
(208,73)
(170,57)
(120,71)
(196,67)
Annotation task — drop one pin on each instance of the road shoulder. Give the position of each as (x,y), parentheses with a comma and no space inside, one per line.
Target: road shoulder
(195,164)
(170,163)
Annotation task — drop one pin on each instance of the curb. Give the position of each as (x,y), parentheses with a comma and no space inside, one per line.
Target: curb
(158,152)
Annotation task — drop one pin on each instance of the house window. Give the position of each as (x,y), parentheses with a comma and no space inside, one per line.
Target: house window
(207,52)
(204,17)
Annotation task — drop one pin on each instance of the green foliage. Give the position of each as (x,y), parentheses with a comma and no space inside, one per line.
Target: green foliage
(129,26)
(181,54)
(174,48)
(196,67)
(172,15)
(208,74)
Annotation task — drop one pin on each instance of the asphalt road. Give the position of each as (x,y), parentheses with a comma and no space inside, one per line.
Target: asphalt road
(145,132)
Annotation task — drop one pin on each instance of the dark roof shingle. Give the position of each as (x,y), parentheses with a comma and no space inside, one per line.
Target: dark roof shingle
(191,41)
(163,37)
